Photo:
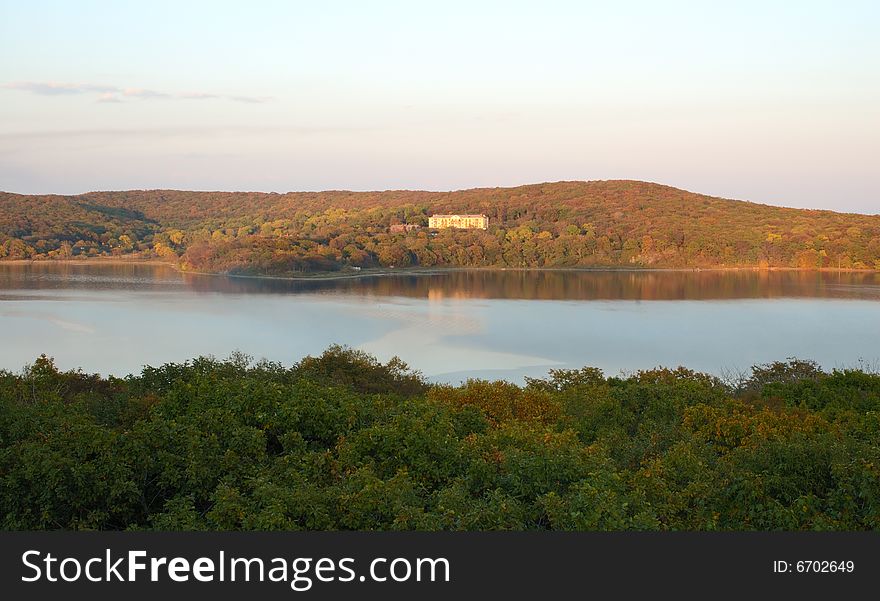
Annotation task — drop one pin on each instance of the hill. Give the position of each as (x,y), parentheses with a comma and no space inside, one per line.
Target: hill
(563,224)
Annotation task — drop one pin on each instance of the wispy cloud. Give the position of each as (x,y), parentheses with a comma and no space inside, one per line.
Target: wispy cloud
(58,89)
(108,97)
(250,99)
(172,132)
(116,94)
(142,93)
(198,96)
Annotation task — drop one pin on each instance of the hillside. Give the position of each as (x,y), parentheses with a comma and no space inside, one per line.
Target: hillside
(564,224)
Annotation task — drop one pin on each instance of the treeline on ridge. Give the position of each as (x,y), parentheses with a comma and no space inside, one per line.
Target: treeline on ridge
(564,224)
(342,441)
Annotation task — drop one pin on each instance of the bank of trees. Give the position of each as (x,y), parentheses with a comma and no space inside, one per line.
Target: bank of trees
(341,441)
(565,224)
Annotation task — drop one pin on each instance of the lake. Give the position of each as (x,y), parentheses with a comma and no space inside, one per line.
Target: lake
(115,318)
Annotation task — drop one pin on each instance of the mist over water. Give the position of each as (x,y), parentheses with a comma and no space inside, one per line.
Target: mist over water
(451,325)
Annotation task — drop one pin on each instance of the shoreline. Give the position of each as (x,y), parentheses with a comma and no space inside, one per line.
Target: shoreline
(413,271)
(88,261)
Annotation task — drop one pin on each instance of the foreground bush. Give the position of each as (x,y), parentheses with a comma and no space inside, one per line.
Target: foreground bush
(342,441)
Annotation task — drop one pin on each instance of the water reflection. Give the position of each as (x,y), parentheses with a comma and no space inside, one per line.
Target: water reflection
(114,318)
(463,284)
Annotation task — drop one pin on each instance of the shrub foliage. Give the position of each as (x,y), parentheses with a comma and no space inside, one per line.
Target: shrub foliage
(342,441)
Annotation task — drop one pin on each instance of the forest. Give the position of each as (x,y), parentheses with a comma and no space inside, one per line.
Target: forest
(563,224)
(342,441)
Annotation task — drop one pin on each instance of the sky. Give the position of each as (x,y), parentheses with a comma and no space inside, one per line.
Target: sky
(769,101)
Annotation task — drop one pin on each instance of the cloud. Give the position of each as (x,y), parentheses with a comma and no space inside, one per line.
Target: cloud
(21,137)
(115,94)
(198,96)
(250,99)
(108,97)
(142,93)
(58,89)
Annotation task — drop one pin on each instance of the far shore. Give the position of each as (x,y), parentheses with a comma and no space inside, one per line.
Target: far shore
(90,261)
(372,272)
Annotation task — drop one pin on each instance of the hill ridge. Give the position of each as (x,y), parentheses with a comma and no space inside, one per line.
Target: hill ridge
(549,224)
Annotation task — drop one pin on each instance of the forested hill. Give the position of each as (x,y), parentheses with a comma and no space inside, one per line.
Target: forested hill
(564,224)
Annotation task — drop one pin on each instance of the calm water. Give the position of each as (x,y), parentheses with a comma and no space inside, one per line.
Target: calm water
(451,326)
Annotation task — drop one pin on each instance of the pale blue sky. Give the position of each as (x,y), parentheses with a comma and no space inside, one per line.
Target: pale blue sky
(775,102)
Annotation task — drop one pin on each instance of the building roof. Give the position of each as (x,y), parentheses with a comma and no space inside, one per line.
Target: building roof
(461,216)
